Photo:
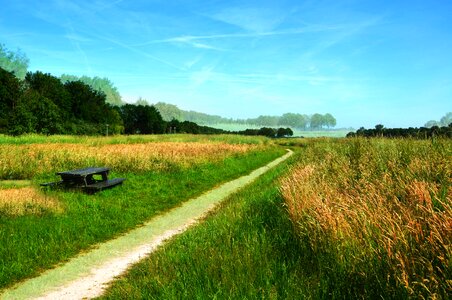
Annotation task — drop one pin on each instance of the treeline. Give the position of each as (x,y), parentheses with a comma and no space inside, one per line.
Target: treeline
(418,133)
(268,132)
(294,120)
(443,122)
(42,103)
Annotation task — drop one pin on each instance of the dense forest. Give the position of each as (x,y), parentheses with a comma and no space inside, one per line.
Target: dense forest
(42,103)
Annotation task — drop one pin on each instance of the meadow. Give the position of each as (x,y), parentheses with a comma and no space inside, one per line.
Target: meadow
(345,218)
(376,215)
(41,227)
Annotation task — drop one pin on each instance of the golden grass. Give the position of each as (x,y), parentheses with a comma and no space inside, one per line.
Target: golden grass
(26,200)
(388,201)
(25,161)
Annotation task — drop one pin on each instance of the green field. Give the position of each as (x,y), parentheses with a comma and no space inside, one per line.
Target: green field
(342,218)
(40,228)
(379,229)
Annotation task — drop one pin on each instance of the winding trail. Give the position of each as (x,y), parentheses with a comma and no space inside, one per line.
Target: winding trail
(87,275)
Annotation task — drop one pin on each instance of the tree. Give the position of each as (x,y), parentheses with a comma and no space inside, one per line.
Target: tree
(282,132)
(142,102)
(330,121)
(266,131)
(141,119)
(50,87)
(103,85)
(446,119)
(10,91)
(169,111)
(46,116)
(15,62)
(317,121)
(431,123)
(266,121)
(87,104)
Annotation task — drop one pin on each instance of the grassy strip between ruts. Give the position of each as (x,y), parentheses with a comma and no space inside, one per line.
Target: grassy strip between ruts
(33,243)
(245,250)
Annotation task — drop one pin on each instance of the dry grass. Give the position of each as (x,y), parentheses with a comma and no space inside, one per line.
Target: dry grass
(26,200)
(381,209)
(25,161)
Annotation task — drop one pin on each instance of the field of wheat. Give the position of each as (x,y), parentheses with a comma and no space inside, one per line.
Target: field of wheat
(376,214)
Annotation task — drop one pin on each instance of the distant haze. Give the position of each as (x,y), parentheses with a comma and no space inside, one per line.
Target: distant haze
(365,62)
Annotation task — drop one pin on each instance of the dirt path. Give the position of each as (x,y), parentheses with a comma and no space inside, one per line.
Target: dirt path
(87,275)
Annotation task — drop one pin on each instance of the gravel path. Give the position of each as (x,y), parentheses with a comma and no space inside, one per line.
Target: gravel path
(87,275)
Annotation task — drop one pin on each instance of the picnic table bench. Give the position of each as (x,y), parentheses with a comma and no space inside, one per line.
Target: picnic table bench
(92,179)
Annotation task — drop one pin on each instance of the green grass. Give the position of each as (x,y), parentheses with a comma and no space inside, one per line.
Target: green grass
(129,139)
(250,248)
(33,243)
(9,184)
(245,250)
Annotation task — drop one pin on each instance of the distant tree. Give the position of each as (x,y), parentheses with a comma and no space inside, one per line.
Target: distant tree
(142,102)
(303,122)
(379,127)
(294,120)
(290,119)
(271,121)
(169,111)
(431,123)
(266,131)
(317,121)
(141,119)
(15,62)
(103,85)
(329,120)
(283,132)
(446,119)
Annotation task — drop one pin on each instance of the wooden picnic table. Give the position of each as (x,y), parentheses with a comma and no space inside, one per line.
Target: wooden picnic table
(91,179)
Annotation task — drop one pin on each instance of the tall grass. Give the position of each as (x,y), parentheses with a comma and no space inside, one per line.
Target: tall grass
(27,161)
(131,139)
(376,215)
(27,200)
(38,233)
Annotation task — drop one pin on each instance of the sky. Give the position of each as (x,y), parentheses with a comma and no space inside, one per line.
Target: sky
(365,62)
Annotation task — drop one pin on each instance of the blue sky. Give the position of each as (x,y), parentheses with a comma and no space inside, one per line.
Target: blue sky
(365,62)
